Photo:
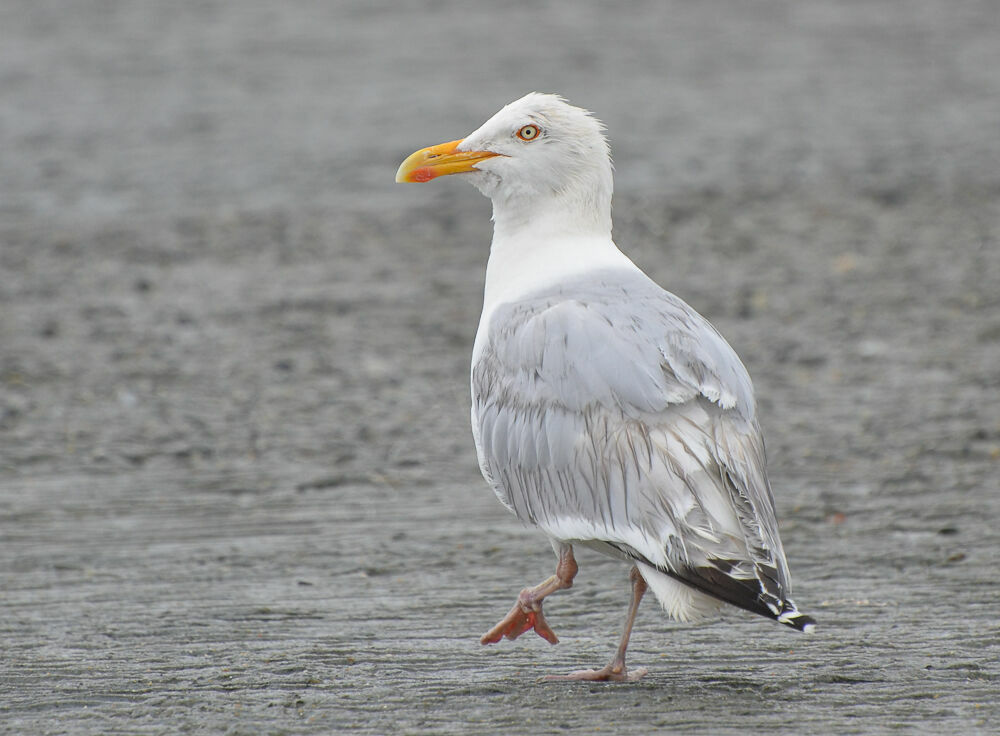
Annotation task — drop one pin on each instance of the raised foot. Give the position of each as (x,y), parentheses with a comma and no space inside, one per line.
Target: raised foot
(605,674)
(520,620)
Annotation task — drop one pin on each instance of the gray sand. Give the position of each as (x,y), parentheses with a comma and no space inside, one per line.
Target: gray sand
(238,493)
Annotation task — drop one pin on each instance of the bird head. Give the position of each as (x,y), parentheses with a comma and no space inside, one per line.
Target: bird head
(539,155)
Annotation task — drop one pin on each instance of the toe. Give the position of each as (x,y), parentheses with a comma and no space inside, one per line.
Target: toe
(543,629)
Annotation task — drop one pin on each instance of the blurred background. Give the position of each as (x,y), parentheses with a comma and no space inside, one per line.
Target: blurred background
(237,484)
(120,108)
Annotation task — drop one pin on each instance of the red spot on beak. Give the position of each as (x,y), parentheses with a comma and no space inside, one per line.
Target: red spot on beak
(424,173)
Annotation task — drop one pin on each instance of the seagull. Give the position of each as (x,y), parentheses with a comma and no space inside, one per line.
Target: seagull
(606,411)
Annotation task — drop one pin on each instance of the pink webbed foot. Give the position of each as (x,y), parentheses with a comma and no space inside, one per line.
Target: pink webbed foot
(522,617)
(527,612)
(607,673)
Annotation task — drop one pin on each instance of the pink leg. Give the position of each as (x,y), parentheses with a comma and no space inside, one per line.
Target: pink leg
(615,670)
(527,612)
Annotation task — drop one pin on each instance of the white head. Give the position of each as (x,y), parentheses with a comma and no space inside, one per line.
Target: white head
(538,158)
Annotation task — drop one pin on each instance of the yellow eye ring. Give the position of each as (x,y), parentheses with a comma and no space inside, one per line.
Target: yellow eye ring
(528,133)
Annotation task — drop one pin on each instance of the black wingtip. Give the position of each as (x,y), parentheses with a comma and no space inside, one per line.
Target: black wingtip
(745,593)
(790,616)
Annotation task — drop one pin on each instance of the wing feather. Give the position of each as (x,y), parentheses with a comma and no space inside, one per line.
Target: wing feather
(609,412)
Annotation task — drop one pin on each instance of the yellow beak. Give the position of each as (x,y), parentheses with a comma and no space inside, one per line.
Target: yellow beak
(440,160)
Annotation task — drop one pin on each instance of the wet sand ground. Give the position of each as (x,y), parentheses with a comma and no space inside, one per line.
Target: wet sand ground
(238,492)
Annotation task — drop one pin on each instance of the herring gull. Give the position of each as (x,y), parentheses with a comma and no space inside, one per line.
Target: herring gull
(605,410)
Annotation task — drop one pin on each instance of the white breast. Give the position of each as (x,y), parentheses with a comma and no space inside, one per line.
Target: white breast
(528,262)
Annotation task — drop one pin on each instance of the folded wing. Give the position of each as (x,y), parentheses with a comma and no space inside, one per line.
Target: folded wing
(608,412)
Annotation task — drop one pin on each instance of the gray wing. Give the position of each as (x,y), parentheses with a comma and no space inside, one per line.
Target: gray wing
(608,411)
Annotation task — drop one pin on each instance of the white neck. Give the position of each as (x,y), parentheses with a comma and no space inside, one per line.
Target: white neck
(552,250)
(540,239)
(584,210)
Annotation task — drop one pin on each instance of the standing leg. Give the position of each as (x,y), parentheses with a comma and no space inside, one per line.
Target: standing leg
(615,669)
(527,612)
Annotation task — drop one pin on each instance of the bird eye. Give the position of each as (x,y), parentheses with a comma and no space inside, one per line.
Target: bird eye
(528,132)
